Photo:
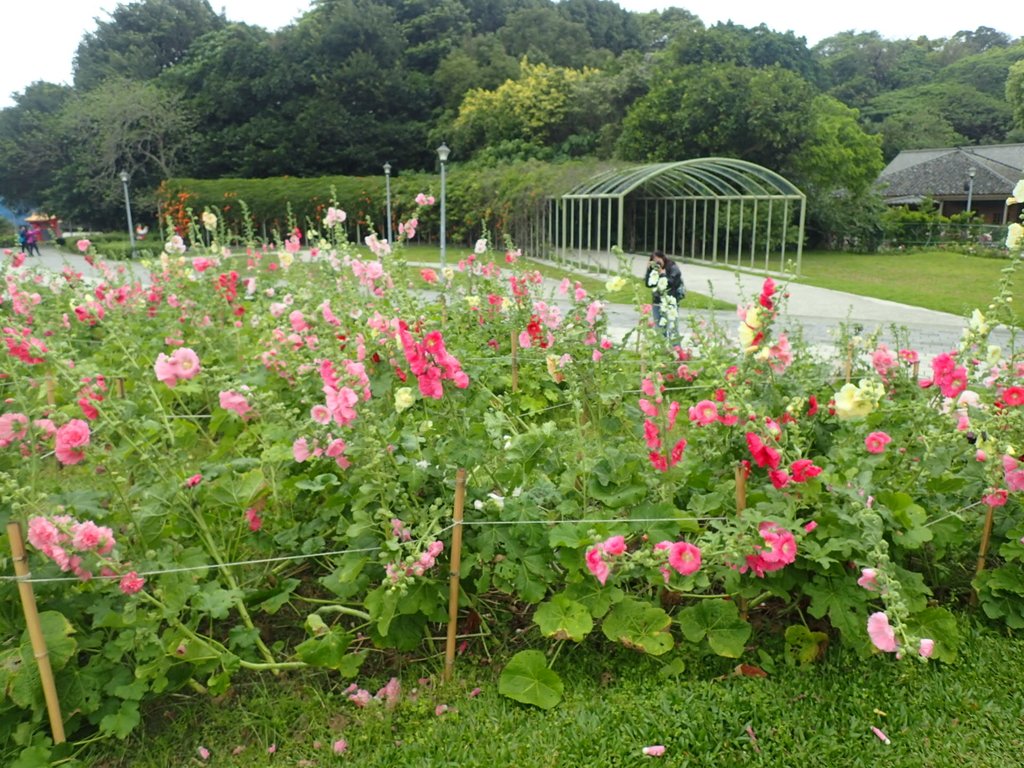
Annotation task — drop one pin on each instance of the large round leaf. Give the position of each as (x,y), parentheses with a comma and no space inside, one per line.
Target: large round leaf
(564,619)
(719,621)
(527,679)
(640,626)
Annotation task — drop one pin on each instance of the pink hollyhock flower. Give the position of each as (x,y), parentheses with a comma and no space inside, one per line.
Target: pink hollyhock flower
(677,451)
(764,455)
(803,470)
(1013,396)
(811,526)
(166,370)
(996,498)
(651,435)
(704,413)
(86,536)
(868,579)
(882,635)
(429,275)
(684,557)
(320,414)
(193,481)
(779,477)
(596,564)
(254,519)
(186,361)
(655,750)
(1013,474)
(926,648)
(880,734)
(83,245)
(616,545)
(72,438)
(339,747)
(204,753)
(440,709)
(13,428)
(648,408)
(391,692)
(876,442)
(300,449)
(131,583)
(233,401)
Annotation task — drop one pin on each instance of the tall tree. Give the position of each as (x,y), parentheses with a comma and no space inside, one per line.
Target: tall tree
(122,125)
(141,40)
(761,115)
(29,147)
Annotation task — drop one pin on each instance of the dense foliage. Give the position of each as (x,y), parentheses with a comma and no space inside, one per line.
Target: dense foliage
(169,88)
(250,460)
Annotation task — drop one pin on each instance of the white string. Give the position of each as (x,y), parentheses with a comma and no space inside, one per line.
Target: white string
(286,558)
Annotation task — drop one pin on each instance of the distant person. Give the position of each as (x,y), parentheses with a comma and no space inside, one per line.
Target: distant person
(141,232)
(665,280)
(32,242)
(23,238)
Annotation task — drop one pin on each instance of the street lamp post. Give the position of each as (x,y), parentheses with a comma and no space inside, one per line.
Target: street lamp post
(387,188)
(128,210)
(442,154)
(970,187)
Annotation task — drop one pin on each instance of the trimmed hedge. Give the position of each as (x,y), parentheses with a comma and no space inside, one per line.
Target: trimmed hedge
(496,200)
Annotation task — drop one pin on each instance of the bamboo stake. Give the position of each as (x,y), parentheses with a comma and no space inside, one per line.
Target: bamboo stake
(741,488)
(120,387)
(35,631)
(454,574)
(986,535)
(51,391)
(515,361)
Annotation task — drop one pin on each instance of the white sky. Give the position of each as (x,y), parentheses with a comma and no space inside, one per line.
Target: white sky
(40,36)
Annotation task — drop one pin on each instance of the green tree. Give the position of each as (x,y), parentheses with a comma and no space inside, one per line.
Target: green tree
(479,62)
(862,65)
(545,36)
(1015,92)
(540,108)
(609,26)
(758,47)
(122,125)
(141,40)
(29,144)
(761,115)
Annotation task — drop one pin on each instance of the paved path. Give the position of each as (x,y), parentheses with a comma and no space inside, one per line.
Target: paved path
(816,312)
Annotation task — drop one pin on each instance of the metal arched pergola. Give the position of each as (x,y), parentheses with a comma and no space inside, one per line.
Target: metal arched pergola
(715,209)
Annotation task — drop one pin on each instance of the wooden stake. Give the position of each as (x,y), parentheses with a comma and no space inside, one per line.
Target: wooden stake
(741,488)
(454,574)
(515,361)
(51,391)
(986,534)
(35,631)
(120,387)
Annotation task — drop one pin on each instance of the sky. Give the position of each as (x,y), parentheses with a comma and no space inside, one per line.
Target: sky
(59,25)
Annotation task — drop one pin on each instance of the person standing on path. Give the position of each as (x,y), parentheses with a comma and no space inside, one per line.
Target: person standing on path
(665,280)
(32,241)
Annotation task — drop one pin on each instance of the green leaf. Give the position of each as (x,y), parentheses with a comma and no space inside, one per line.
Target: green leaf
(564,619)
(527,679)
(804,646)
(330,650)
(216,601)
(940,625)
(57,631)
(122,722)
(640,626)
(719,621)
(33,757)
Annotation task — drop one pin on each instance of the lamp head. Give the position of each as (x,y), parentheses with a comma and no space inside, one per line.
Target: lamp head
(124,177)
(387,169)
(442,152)
(971,171)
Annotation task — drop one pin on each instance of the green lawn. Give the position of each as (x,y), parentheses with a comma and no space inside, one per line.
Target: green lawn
(616,702)
(940,280)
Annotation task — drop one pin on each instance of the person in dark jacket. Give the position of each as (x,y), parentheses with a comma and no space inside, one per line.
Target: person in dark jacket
(665,280)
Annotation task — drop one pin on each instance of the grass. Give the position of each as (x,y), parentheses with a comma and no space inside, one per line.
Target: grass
(617,702)
(939,280)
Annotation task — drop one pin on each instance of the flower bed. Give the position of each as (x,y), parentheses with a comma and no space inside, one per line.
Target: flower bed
(249,462)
